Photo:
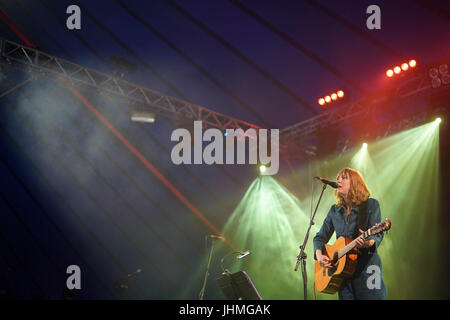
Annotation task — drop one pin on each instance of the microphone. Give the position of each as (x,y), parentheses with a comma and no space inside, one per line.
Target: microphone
(214,236)
(131,275)
(328,182)
(243,254)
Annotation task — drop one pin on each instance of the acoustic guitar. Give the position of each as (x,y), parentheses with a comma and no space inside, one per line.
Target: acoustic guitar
(343,253)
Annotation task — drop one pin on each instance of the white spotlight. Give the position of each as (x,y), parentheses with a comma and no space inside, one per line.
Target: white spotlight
(143,116)
(262,169)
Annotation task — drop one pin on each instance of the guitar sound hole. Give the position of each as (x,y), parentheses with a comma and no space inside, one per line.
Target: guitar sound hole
(332,271)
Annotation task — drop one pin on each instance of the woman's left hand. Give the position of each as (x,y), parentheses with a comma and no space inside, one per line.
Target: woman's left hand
(360,243)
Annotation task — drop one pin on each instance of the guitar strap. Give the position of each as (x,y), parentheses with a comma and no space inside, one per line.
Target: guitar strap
(362,218)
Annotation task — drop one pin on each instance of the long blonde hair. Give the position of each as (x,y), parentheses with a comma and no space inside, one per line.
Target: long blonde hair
(358,191)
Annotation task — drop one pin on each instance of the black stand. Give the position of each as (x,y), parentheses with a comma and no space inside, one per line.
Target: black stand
(238,286)
(202,292)
(302,256)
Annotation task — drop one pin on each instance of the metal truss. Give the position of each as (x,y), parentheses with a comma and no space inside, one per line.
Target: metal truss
(298,141)
(14,88)
(42,64)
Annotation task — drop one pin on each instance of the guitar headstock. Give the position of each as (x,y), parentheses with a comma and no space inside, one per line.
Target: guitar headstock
(381,227)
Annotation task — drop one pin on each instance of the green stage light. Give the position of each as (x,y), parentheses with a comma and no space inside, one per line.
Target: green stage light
(361,160)
(266,221)
(438,120)
(262,169)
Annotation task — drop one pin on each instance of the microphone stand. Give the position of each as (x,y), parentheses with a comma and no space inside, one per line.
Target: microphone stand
(302,256)
(202,292)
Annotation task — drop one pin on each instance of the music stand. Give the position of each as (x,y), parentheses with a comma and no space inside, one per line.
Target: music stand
(238,286)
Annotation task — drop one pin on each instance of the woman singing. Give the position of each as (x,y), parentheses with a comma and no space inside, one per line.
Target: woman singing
(352,196)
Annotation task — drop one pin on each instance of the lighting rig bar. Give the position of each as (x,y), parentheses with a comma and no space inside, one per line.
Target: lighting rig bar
(41,64)
(404,123)
(298,140)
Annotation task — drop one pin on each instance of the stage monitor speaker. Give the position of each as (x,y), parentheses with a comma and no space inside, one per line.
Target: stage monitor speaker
(238,286)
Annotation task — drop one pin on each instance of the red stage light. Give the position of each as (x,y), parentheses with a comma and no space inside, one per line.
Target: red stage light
(390,73)
(340,93)
(321,101)
(412,63)
(397,70)
(405,66)
(334,96)
(327,99)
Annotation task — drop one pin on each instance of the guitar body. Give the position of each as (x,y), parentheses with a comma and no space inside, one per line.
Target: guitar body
(330,280)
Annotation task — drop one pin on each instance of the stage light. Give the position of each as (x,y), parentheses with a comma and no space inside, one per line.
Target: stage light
(436,82)
(262,169)
(438,120)
(433,73)
(143,116)
(331,98)
(399,68)
(364,145)
(439,75)
(443,69)
(446,78)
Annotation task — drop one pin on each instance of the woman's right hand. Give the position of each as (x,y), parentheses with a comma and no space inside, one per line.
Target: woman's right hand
(324,261)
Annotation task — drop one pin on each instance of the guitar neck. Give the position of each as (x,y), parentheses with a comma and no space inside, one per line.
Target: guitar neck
(351,245)
(346,249)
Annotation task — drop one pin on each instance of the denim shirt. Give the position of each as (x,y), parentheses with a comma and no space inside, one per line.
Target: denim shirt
(356,286)
(337,220)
